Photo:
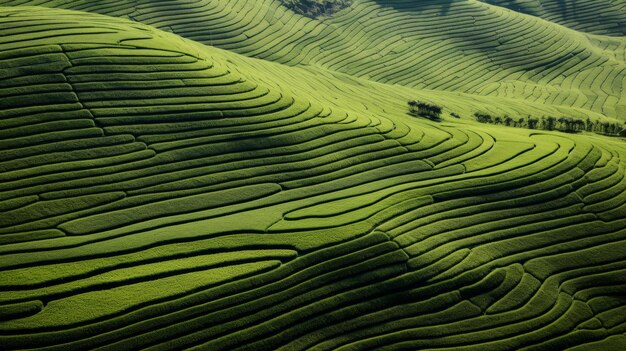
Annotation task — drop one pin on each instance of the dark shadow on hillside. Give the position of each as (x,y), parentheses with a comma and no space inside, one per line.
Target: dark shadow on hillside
(417,6)
(316,8)
(566,8)
(575,10)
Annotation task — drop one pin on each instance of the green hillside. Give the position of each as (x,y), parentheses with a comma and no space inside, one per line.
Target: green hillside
(606,17)
(461,46)
(269,191)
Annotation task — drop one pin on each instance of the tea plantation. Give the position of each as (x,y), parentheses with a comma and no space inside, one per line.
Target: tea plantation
(231,175)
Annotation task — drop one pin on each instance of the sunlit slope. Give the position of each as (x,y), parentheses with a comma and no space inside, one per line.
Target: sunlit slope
(156,196)
(606,17)
(461,46)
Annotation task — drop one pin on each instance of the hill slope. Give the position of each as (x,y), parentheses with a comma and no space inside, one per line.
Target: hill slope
(160,194)
(461,46)
(607,17)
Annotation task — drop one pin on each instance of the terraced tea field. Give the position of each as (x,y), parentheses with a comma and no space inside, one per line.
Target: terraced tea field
(230,175)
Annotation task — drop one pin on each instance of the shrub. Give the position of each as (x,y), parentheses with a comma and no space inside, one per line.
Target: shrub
(563,124)
(423,109)
(316,8)
(549,123)
(483,117)
(533,123)
(508,121)
(609,128)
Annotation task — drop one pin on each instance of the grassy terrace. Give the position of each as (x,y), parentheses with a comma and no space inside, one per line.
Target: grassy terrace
(430,44)
(160,193)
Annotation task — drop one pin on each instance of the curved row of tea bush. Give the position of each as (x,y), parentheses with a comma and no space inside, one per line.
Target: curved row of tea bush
(597,17)
(449,46)
(161,195)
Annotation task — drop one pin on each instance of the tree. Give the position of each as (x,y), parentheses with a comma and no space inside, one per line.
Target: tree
(316,8)
(566,124)
(483,117)
(412,106)
(613,129)
(589,125)
(579,125)
(550,123)
(424,109)
(604,127)
(508,121)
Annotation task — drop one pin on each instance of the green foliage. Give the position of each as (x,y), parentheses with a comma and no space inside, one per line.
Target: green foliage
(316,8)
(156,193)
(483,117)
(424,109)
(563,124)
(366,42)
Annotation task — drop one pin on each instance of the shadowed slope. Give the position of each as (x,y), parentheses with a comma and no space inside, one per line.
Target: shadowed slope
(607,17)
(161,195)
(461,46)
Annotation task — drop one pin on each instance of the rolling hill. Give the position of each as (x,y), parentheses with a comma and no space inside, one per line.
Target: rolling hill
(470,47)
(231,175)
